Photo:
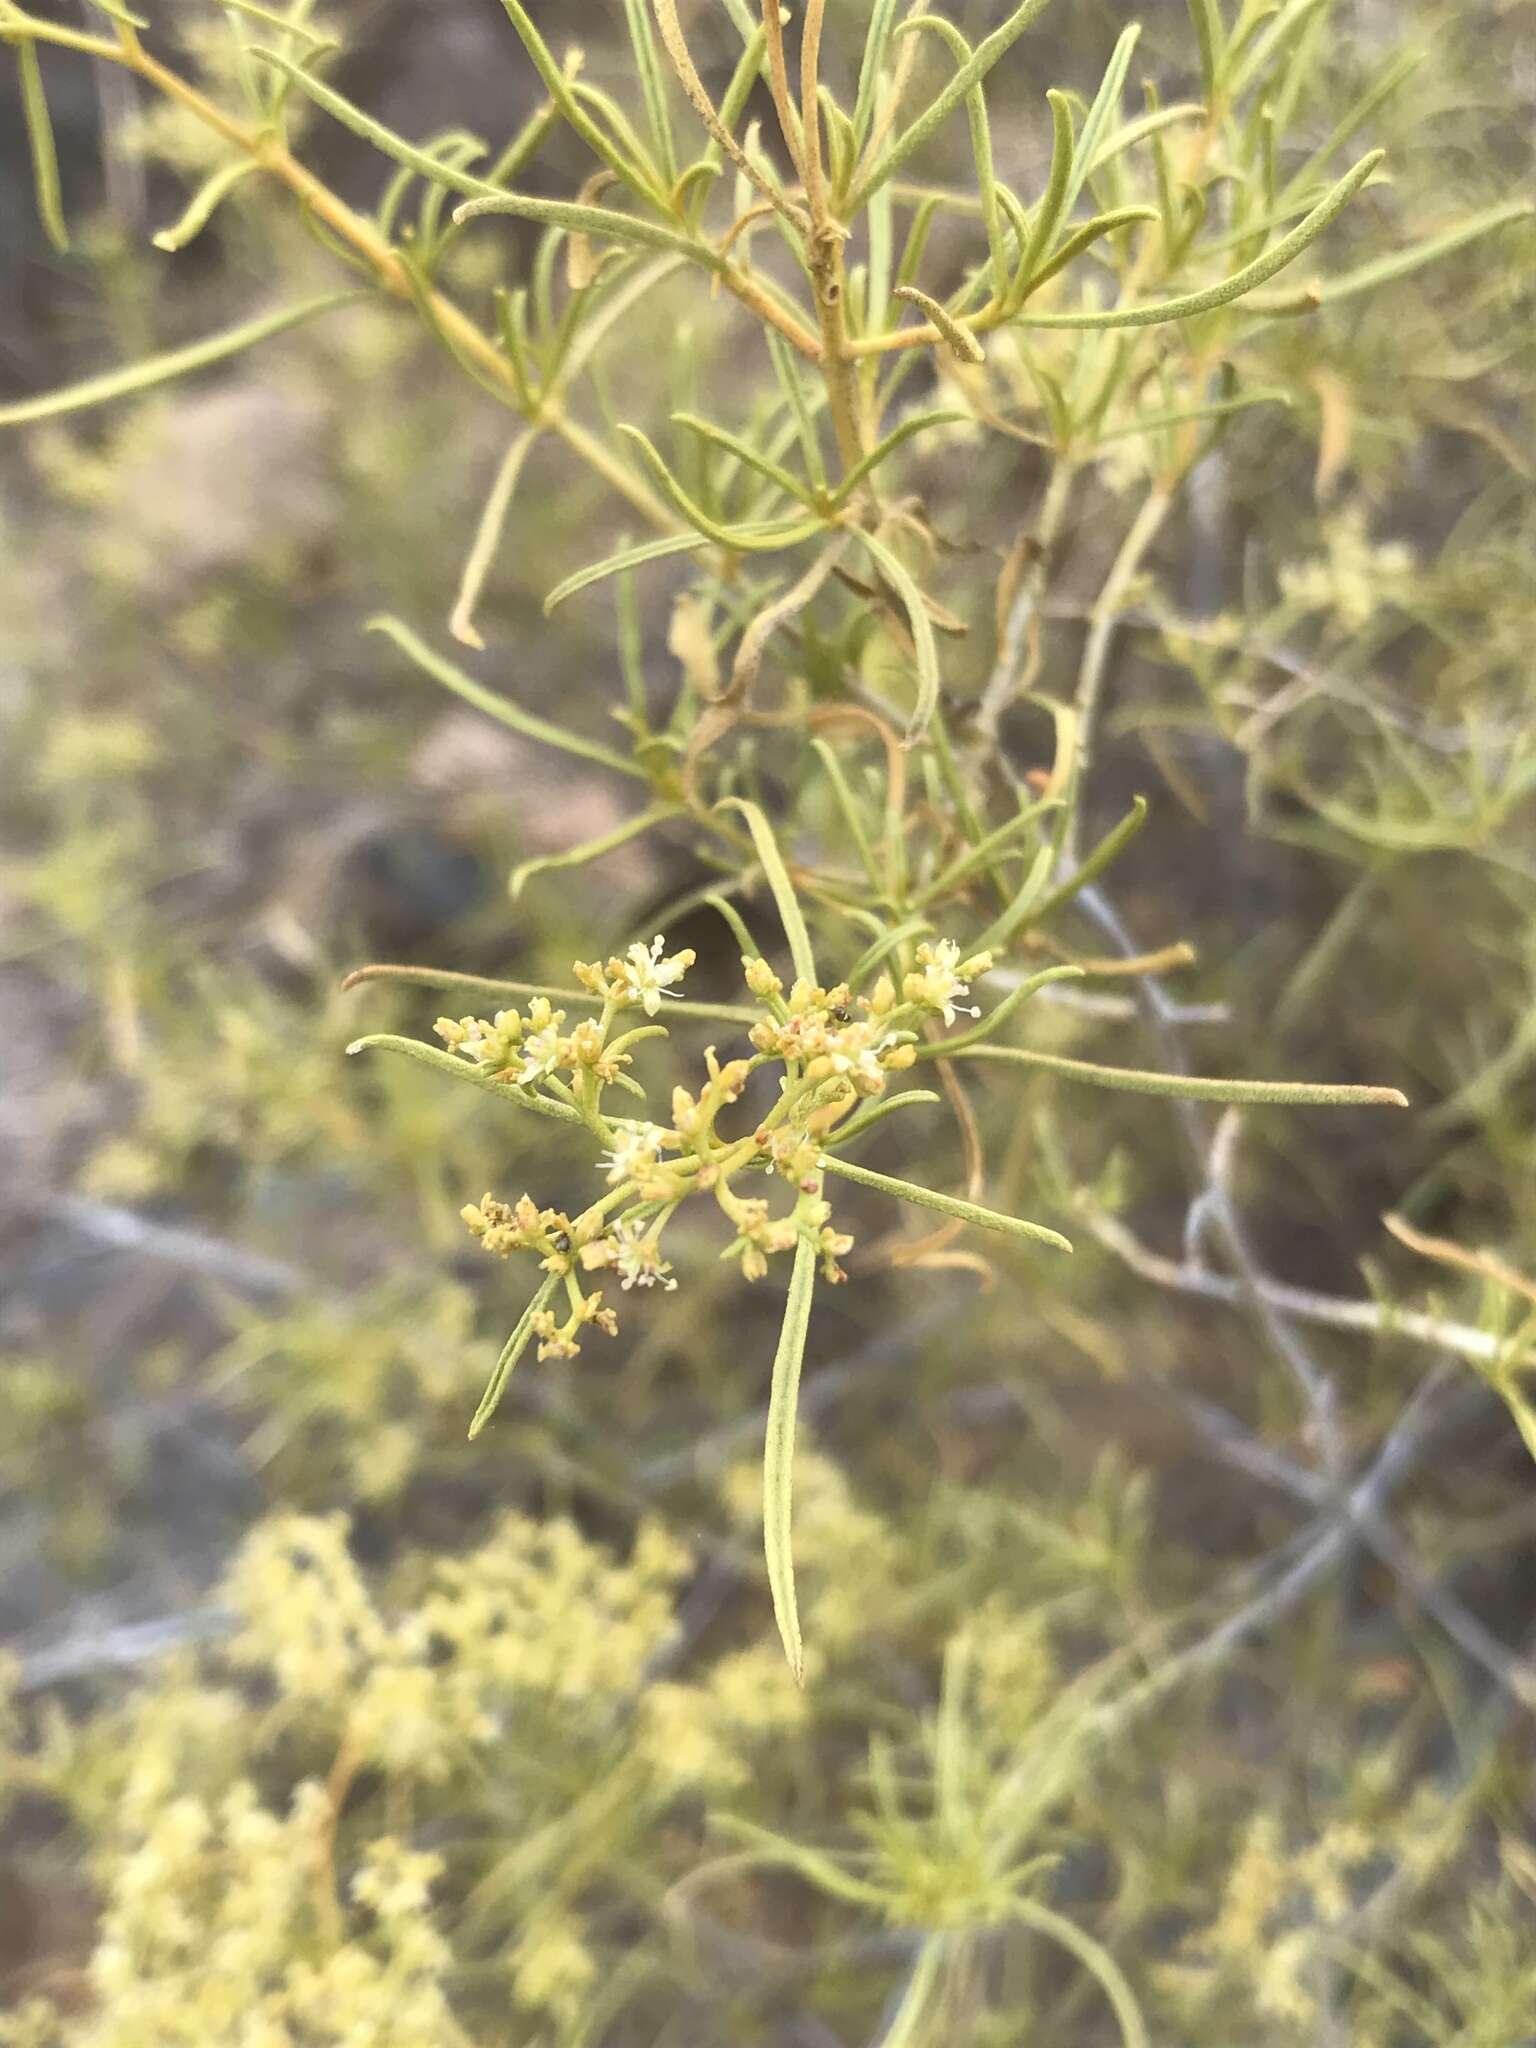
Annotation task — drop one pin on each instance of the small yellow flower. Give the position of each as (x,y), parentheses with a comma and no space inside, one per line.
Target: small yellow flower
(762,980)
(940,978)
(833,1245)
(633,1255)
(540,1045)
(644,976)
(636,1151)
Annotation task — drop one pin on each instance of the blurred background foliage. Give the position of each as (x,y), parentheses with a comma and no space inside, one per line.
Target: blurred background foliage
(323,1724)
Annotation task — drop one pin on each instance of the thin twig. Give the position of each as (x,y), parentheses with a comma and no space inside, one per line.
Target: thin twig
(1332,1311)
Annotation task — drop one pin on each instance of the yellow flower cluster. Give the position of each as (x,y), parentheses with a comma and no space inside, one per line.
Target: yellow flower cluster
(642,977)
(701,1738)
(1277,1910)
(536,1610)
(306,1615)
(552,1968)
(245,1902)
(209,1934)
(540,1609)
(1354,577)
(834,1052)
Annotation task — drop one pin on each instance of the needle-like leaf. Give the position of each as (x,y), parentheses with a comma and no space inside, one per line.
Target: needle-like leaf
(948,1205)
(788,904)
(1241,281)
(969,75)
(1189,1087)
(925,646)
(779,1454)
(45,157)
(502,709)
(511,1352)
(178,362)
(460,1070)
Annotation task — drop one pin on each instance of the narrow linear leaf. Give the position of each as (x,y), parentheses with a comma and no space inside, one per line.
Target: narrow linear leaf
(114,11)
(484,984)
(880,225)
(1487,1265)
(827,755)
(1018,220)
(787,371)
(924,644)
(452,677)
(981,144)
(908,2022)
(1218,408)
(461,622)
(1329,291)
(1256,273)
(596,326)
(984,853)
(1247,66)
(963,344)
(625,559)
(723,908)
(719,123)
(45,156)
(779,1454)
(915,423)
(1145,126)
(269,17)
(741,13)
(1376,94)
(646,179)
(1084,237)
(877,1113)
(1105,108)
(1210,36)
(1053,201)
(744,452)
(749,67)
(1258,226)
(511,1352)
(521,148)
(993,1022)
(460,1070)
(423,161)
(773,618)
(1097,1960)
(653,86)
(200,208)
(590,849)
(180,362)
(818,1868)
(418,280)
(916,244)
(1103,857)
(880,949)
(764,539)
(969,75)
(1190,1087)
(587,220)
(785,899)
(948,1205)
(560,90)
(1002,929)
(877,43)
